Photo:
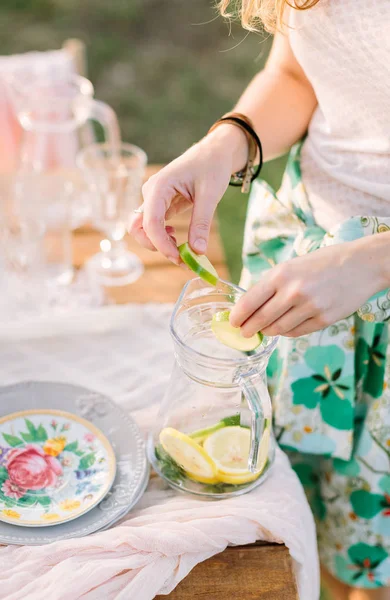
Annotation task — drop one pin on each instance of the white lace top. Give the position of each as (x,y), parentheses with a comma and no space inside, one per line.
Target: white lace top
(344,49)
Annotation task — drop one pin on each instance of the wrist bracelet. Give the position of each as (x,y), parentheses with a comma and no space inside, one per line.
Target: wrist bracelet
(244,177)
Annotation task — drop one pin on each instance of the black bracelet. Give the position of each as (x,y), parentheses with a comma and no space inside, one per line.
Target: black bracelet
(236,180)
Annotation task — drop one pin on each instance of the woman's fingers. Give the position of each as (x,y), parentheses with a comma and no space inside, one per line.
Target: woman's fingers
(252,301)
(305,328)
(157,199)
(178,205)
(137,231)
(292,319)
(266,315)
(202,216)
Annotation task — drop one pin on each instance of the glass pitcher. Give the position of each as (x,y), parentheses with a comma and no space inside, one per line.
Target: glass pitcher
(56,112)
(213,435)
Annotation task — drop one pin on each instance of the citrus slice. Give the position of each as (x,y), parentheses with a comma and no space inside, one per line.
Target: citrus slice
(200,435)
(238,479)
(200,264)
(189,455)
(232,336)
(229,449)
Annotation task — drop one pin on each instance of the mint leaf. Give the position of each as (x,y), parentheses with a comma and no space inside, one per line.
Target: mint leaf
(169,467)
(87,461)
(12,440)
(231,421)
(72,447)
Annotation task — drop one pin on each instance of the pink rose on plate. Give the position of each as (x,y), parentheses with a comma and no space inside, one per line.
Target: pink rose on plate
(89,437)
(30,468)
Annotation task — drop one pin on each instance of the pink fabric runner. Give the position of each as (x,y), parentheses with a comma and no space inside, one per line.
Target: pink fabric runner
(154,548)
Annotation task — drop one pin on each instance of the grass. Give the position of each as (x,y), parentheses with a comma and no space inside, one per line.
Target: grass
(169,68)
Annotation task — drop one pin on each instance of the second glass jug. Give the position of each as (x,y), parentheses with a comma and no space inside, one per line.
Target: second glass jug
(56,114)
(213,436)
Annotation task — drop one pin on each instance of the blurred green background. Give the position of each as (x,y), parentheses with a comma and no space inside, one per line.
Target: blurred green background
(169,68)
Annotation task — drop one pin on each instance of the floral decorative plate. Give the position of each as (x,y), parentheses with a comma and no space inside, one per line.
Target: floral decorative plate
(54,467)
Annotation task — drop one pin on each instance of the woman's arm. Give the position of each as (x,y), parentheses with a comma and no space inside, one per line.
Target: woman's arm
(311,292)
(280,101)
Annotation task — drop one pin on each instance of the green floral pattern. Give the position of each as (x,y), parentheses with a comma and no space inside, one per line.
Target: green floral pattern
(330,389)
(326,387)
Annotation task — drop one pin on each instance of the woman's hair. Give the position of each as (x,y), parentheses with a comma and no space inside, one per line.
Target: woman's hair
(262,13)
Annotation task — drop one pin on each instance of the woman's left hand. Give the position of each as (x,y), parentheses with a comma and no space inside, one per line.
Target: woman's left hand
(310,292)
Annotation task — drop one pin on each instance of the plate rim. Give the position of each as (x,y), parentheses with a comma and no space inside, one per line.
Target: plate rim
(90,427)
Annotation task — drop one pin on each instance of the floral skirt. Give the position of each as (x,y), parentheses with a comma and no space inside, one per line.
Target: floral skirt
(330,390)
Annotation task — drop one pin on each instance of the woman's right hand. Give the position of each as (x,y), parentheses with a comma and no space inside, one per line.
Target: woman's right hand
(196,180)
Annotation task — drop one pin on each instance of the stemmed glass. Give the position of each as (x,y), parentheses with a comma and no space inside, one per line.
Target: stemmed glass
(114,175)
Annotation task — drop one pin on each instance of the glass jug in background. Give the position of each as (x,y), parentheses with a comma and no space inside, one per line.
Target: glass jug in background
(56,114)
(213,435)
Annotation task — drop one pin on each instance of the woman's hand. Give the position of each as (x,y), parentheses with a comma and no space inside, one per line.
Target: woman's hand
(311,292)
(196,180)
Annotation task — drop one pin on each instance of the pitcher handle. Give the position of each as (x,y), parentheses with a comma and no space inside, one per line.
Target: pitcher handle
(106,117)
(261,411)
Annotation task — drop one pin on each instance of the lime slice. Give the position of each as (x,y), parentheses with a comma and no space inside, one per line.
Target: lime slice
(189,455)
(199,264)
(201,434)
(229,449)
(232,336)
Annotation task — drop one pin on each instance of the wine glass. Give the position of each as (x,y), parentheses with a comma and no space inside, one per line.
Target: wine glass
(114,175)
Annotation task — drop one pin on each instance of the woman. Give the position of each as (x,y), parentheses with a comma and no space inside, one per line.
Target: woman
(313,258)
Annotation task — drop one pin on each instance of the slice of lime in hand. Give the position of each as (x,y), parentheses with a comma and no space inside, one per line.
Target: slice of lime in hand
(199,264)
(232,336)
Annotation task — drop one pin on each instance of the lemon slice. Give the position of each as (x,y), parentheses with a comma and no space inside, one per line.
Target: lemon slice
(229,448)
(189,455)
(199,264)
(232,336)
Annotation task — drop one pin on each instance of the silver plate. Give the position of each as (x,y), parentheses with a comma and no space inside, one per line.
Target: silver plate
(126,439)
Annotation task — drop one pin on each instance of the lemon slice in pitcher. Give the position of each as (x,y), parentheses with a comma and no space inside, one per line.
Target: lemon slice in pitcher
(189,455)
(229,449)
(200,264)
(232,336)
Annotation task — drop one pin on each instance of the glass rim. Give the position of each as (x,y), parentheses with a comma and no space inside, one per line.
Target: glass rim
(127,147)
(83,84)
(227,362)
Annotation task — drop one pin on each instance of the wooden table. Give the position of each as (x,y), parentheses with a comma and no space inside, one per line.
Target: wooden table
(258,572)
